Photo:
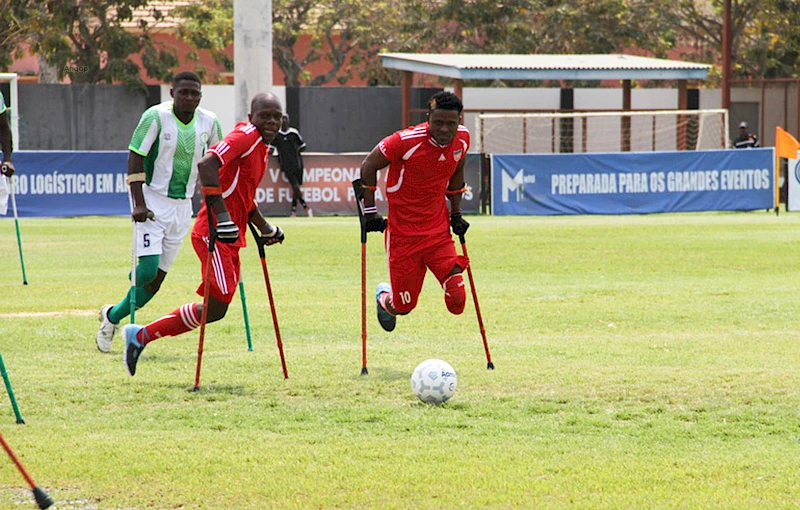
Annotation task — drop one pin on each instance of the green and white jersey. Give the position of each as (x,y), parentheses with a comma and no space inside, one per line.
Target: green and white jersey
(171,149)
(3,106)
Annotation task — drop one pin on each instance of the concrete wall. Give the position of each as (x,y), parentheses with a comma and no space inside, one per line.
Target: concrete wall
(349,119)
(78,117)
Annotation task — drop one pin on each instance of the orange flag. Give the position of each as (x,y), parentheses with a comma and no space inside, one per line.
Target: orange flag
(786,146)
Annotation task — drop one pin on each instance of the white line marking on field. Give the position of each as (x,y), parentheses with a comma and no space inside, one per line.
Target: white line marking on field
(82,313)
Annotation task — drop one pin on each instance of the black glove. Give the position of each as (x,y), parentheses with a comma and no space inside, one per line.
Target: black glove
(374,222)
(270,239)
(458,224)
(227,230)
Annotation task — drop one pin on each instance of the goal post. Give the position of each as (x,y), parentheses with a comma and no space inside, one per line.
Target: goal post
(12,104)
(602,131)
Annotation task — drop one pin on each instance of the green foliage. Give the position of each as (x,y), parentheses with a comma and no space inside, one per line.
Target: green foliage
(87,41)
(12,31)
(347,36)
(642,362)
(207,26)
(764,36)
(338,30)
(527,27)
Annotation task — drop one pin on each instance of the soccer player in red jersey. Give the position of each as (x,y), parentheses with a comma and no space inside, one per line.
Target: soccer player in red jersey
(230,173)
(426,165)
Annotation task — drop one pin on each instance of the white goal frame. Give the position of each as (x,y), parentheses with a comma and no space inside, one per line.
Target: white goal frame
(11,78)
(480,127)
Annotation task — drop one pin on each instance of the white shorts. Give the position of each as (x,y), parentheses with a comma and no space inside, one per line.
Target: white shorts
(164,234)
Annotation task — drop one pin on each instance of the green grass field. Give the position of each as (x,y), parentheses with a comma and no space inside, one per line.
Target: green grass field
(642,362)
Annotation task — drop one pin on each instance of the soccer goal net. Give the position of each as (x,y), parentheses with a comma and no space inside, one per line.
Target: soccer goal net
(637,131)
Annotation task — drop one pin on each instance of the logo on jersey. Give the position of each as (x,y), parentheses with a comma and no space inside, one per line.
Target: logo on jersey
(167,137)
(204,138)
(457,154)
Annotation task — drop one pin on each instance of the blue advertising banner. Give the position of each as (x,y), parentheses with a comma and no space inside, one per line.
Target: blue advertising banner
(71,183)
(67,183)
(633,183)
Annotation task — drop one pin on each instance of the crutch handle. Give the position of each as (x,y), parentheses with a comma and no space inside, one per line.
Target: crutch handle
(256,236)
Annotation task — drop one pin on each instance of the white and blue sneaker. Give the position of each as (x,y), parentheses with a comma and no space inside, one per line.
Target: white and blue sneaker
(133,348)
(386,320)
(107,330)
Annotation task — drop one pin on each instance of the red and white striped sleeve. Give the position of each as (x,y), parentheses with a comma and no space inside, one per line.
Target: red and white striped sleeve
(239,141)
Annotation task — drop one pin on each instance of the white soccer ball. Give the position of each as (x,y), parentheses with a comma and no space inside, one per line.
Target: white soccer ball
(434,381)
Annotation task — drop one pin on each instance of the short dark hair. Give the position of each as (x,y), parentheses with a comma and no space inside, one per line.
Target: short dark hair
(185,75)
(445,101)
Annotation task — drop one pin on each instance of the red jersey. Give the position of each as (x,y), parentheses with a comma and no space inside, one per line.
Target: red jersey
(419,172)
(243,155)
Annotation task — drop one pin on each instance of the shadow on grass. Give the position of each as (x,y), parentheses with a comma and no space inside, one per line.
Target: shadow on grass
(387,374)
(210,389)
(160,358)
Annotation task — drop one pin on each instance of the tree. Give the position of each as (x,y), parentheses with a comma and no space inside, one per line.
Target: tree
(764,39)
(207,26)
(340,27)
(338,31)
(12,31)
(86,40)
(528,27)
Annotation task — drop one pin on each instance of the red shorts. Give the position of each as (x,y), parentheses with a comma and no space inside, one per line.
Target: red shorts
(411,256)
(224,275)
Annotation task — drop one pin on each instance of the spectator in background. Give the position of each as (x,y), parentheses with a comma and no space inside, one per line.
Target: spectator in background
(745,140)
(289,145)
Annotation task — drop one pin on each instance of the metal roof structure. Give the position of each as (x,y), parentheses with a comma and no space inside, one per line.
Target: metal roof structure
(545,67)
(460,67)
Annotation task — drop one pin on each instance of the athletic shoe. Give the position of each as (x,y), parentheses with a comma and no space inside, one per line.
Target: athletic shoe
(309,212)
(386,320)
(107,330)
(133,348)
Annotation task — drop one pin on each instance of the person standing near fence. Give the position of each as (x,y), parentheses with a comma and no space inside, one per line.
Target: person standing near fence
(289,145)
(165,148)
(745,140)
(7,146)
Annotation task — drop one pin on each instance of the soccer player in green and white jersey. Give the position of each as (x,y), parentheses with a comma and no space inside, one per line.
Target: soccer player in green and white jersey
(162,171)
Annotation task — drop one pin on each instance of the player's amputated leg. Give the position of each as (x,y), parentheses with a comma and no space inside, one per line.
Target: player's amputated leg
(455,294)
